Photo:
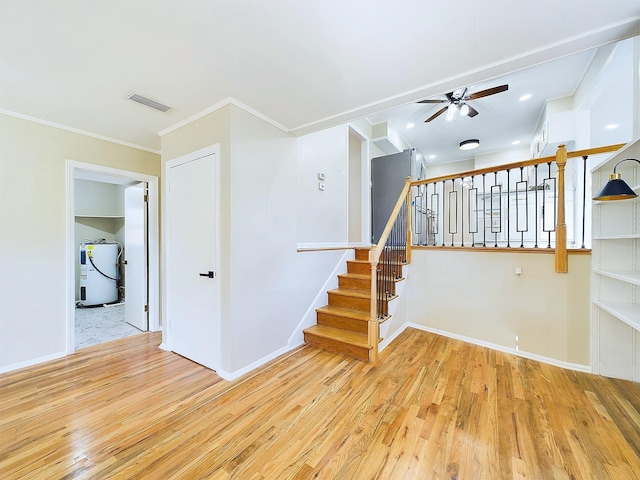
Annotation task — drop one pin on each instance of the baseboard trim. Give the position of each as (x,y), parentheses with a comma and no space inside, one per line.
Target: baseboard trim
(31,362)
(230,376)
(494,346)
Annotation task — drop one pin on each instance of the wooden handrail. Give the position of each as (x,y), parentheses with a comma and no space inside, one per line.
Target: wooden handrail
(524,163)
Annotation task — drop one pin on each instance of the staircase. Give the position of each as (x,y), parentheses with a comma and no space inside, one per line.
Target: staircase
(342,325)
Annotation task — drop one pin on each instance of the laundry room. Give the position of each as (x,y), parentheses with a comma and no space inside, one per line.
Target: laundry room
(109,220)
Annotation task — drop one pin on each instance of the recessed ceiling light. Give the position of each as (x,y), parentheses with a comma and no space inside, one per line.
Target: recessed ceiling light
(411,125)
(611,126)
(515,142)
(469,144)
(431,157)
(525,97)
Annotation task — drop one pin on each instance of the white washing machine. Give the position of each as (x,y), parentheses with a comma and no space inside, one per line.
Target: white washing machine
(98,273)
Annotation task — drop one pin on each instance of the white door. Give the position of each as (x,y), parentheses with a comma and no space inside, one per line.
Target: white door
(135,253)
(192,301)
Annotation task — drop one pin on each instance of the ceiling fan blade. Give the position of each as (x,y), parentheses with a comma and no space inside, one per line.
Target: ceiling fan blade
(439,112)
(449,96)
(459,94)
(433,101)
(472,111)
(487,92)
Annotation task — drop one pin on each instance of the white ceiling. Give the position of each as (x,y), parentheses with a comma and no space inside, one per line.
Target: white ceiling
(502,118)
(305,65)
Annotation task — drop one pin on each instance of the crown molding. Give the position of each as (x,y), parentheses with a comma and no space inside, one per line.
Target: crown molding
(86,133)
(219,105)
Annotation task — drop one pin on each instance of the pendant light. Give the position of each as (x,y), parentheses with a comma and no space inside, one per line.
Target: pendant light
(616,188)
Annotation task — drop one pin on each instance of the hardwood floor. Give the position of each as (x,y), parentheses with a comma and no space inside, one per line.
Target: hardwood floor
(431,407)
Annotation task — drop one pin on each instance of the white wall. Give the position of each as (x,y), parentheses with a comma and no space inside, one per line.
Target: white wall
(323,215)
(443,169)
(609,78)
(33,234)
(98,198)
(355,217)
(264,305)
(267,285)
(478,296)
(502,157)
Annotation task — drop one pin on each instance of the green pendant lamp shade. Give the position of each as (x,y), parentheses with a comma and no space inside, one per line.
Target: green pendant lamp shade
(616,188)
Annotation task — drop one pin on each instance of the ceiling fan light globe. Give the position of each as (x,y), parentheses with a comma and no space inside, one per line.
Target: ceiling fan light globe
(451,112)
(464,109)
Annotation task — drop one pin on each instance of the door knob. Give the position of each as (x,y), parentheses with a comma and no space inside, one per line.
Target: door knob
(209,274)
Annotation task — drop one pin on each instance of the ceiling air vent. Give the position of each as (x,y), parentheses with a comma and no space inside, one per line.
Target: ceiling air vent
(147,102)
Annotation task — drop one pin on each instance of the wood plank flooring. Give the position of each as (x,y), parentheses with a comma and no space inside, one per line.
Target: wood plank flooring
(430,408)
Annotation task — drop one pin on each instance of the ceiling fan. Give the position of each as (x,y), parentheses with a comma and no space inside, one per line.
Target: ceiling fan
(457,102)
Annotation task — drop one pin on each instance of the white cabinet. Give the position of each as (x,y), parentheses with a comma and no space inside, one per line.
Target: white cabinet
(615,280)
(557,129)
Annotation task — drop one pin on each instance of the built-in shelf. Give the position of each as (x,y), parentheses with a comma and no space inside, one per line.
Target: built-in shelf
(615,324)
(622,275)
(99,216)
(629,313)
(618,237)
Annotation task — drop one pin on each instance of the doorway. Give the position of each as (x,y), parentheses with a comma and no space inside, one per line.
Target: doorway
(97,222)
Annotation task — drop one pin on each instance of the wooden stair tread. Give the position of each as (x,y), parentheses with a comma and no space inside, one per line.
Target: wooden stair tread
(344,336)
(344,312)
(362,276)
(347,292)
(345,324)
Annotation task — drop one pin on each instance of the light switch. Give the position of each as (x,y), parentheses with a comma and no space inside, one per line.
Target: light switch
(321,176)
(321,186)
(518,271)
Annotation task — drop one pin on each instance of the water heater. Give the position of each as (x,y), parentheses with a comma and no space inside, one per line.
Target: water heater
(98,273)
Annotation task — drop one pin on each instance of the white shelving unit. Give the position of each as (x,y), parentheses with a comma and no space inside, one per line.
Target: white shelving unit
(615,279)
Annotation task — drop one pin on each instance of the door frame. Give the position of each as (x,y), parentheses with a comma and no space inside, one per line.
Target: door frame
(365,184)
(104,173)
(166,248)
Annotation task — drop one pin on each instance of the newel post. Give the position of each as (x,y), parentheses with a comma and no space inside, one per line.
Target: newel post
(409,239)
(561,260)
(373,327)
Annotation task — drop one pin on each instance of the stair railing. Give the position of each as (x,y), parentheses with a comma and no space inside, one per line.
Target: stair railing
(514,207)
(386,259)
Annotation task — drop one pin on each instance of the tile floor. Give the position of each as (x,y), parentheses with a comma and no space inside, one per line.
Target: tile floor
(101,324)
